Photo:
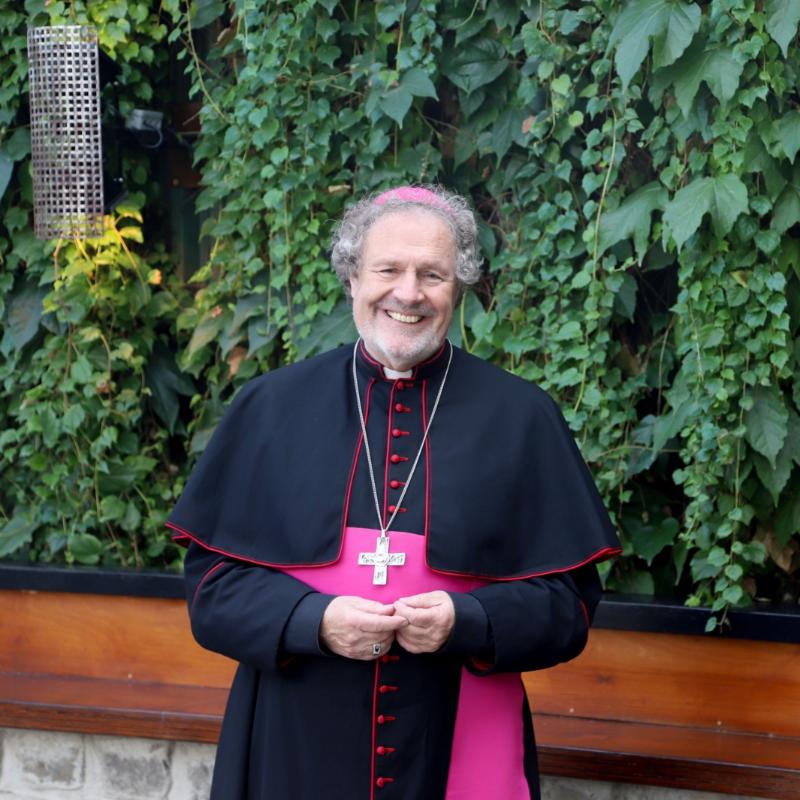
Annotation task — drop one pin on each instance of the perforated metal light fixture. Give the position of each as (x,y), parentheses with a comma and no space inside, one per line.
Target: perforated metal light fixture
(66,146)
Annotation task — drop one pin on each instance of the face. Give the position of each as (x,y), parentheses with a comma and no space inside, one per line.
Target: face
(405,289)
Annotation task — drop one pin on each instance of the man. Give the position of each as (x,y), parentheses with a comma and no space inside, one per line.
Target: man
(385,536)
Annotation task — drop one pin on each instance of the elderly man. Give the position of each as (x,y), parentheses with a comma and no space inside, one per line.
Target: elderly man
(385,536)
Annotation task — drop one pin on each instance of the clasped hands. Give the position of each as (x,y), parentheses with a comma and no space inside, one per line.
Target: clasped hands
(419,624)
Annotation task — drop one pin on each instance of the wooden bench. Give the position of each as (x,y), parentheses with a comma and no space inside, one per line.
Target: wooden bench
(684,711)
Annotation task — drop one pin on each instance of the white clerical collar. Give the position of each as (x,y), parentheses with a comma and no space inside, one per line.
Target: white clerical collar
(393,374)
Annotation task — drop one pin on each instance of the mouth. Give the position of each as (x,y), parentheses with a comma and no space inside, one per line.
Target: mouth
(408,319)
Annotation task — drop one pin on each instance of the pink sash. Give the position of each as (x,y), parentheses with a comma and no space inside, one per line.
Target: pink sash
(488,736)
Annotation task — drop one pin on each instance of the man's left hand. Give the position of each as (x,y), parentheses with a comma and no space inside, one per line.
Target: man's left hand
(430,616)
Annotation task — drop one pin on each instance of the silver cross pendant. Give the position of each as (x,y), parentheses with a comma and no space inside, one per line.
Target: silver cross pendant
(381,559)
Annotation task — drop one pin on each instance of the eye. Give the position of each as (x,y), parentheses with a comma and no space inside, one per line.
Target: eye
(433,277)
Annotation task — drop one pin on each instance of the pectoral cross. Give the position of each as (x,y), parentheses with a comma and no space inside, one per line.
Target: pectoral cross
(381,559)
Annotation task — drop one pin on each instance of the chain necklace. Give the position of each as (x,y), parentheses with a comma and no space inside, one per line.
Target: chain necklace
(381,559)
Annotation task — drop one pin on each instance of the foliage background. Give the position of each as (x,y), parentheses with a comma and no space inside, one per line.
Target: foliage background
(634,167)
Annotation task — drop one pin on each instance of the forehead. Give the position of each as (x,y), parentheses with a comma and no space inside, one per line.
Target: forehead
(410,232)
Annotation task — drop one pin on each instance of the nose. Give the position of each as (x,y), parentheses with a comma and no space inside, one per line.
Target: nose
(408,289)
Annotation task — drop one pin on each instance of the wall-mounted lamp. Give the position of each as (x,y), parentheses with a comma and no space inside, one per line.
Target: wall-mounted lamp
(66,139)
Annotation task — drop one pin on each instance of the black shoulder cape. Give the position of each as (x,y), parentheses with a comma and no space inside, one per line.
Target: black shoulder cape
(510,495)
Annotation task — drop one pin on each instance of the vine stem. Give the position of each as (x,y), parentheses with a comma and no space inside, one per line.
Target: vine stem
(604,192)
(596,245)
(464,342)
(199,68)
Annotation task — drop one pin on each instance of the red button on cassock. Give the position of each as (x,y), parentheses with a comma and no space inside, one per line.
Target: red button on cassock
(382,719)
(400,408)
(396,459)
(385,688)
(402,509)
(384,751)
(395,484)
(389,659)
(381,782)
(400,386)
(396,432)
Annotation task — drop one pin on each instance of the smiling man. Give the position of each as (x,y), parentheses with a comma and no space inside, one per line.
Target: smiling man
(385,536)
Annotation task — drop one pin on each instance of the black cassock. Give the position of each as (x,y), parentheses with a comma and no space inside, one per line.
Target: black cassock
(501,492)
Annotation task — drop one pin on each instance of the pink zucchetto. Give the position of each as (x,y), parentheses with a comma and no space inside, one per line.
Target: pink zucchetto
(413,194)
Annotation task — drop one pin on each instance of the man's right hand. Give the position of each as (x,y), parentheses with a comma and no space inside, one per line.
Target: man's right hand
(352,625)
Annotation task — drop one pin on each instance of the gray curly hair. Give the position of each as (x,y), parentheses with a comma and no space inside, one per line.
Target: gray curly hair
(451,208)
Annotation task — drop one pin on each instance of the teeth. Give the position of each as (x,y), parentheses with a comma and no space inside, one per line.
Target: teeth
(403,317)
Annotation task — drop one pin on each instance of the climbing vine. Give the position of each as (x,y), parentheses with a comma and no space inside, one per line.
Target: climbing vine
(634,168)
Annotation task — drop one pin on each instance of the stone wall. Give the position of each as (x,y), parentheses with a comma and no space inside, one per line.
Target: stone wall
(68,766)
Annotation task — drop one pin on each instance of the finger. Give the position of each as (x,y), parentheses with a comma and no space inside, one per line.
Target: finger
(374,623)
(372,606)
(418,617)
(423,600)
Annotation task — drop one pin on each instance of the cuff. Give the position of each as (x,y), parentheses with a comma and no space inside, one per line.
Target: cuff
(471,634)
(301,635)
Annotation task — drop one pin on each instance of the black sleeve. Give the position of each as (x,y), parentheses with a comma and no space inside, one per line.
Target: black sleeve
(528,624)
(253,614)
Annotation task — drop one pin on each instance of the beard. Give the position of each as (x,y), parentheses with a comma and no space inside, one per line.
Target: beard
(392,346)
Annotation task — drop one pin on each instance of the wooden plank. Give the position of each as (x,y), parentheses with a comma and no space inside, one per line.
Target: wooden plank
(734,779)
(702,682)
(569,747)
(122,708)
(118,638)
(669,741)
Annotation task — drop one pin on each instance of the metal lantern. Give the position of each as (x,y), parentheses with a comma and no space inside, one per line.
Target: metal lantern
(66,149)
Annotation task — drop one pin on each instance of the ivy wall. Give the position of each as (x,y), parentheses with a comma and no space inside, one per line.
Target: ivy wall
(634,167)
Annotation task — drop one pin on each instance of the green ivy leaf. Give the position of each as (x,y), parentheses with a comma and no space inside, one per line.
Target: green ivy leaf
(112,508)
(166,383)
(204,333)
(6,168)
(632,218)
(757,159)
(395,103)
(389,13)
(204,12)
(18,146)
(715,66)
(506,130)
(16,533)
(724,197)
(670,22)
(787,131)
(85,548)
(132,520)
(787,519)
(668,426)
(118,478)
(787,208)
(766,423)
(625,298)
(649,540)
(475,64)
(23,313)
(329,332)
(49,425)
(782,19)
(775,477)
(417,82)
(73,418)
